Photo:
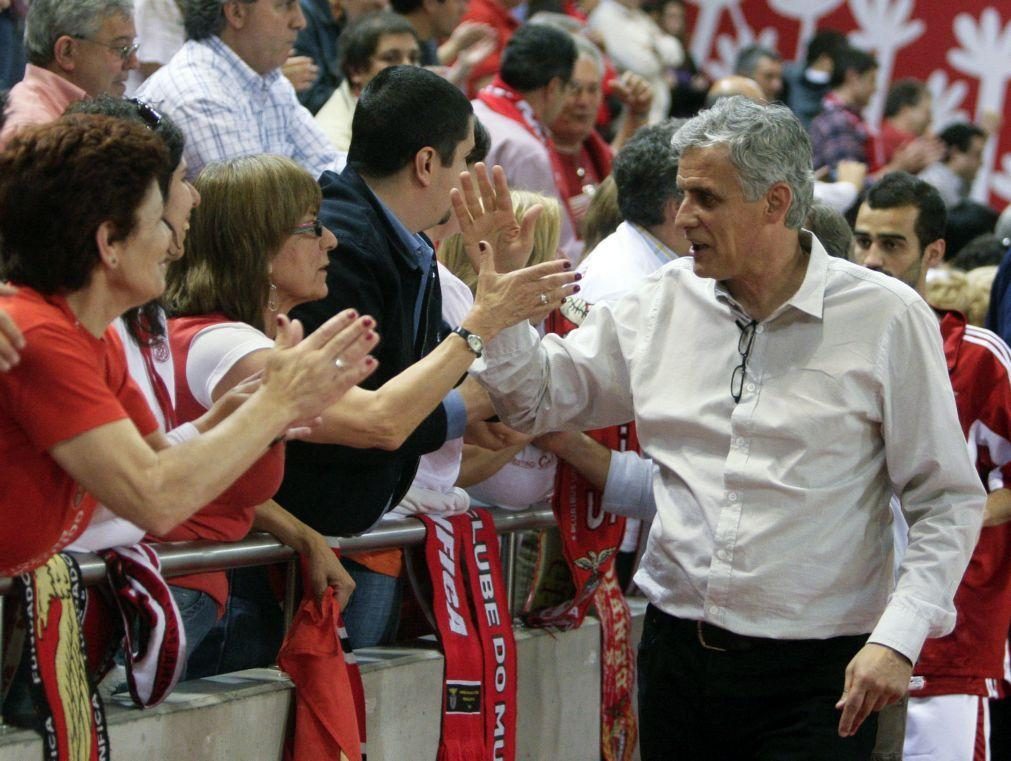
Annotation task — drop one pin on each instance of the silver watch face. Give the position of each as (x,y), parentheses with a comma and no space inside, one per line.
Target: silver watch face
(475,343)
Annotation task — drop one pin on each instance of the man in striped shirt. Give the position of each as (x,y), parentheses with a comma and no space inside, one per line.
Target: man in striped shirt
(225,88)
(899,231)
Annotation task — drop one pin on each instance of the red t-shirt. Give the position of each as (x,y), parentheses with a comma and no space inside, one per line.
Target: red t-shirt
(229,517)
(67,383)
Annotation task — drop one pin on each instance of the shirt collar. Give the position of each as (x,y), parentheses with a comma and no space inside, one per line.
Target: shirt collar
(240,68)
(810,297)
(62,90)
(412,242)
(657,247)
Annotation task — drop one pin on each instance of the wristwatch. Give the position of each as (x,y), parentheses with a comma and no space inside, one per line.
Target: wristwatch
(474,342)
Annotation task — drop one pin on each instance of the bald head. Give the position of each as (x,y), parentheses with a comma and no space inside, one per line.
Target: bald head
(734,85)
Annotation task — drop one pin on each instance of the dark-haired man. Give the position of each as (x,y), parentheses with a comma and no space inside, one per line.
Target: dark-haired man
(765,66)
(411,133)
(900,231)
(963,156)
(367,46)
(525,97)
(839,132)
(225,88)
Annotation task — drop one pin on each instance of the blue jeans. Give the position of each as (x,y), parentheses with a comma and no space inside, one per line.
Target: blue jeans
(373,615)
(199,613)
(247,636)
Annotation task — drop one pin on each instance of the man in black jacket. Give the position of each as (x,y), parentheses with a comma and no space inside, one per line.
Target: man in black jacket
(411,134)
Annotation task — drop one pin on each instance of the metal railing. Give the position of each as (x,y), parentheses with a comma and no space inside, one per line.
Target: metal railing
(183,558)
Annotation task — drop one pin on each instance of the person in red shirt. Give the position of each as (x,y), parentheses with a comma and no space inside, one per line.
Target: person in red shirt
(900,231)
(584,155)
(498,15)
(73,427)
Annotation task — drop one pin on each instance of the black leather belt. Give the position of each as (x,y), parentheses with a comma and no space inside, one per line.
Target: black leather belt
(714,638)
(723,641)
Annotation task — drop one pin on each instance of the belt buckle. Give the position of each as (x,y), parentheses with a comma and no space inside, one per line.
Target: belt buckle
(702,640)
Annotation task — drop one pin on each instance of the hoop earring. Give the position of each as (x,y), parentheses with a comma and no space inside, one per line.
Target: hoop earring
(272,298)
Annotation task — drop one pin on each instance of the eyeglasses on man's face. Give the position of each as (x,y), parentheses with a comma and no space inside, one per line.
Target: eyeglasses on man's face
(125,52)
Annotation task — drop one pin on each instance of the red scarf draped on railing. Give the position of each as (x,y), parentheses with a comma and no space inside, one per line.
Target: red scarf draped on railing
(590,542)
(472,618)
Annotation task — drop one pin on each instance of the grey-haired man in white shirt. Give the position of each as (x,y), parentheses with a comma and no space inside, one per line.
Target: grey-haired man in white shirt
(782,395)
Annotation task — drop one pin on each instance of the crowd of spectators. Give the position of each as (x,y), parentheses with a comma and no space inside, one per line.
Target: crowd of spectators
(247,160)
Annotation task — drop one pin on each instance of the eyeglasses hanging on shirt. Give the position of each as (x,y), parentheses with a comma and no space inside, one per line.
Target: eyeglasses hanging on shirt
(744,344)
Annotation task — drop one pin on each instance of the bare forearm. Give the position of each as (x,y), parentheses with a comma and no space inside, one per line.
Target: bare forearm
(288,529)
(386,417)
(590,458)
(480,464)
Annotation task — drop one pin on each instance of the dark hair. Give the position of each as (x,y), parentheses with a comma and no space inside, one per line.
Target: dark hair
(47,229)
(905,93)
(981,251)
(831,228)
(749,57)
(402,110)
(967,220)
(536,54)
(404,7)
(960,135)
(645,173)
(360,38)
(204,18)
(137,111)
(825,42)
(144,323)
(482,143)
(897,189)
(850,59)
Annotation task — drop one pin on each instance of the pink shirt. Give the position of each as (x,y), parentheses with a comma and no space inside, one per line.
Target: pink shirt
(40,97)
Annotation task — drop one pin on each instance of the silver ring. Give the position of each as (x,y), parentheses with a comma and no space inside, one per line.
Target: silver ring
(544,299)
(339,364)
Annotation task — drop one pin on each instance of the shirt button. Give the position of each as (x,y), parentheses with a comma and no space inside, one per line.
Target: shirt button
(750,387)
(722,555)
(714,610)
(732,496)
(760,329)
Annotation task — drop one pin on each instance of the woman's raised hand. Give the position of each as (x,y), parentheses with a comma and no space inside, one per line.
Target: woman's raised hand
(311,374)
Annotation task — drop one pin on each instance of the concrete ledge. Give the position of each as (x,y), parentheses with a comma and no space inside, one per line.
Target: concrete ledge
(243,715)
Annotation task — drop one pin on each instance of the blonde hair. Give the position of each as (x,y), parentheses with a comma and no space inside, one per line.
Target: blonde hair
(602,215)
(547,232)
(248,208)
(948,289)
(978,292)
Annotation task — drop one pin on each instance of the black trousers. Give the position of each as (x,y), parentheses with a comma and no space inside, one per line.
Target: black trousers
(761,699)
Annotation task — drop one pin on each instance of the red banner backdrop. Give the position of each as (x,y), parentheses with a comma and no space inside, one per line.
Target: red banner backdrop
(962,50)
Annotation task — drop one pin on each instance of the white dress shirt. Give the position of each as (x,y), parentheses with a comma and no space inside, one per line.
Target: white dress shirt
(772,513)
